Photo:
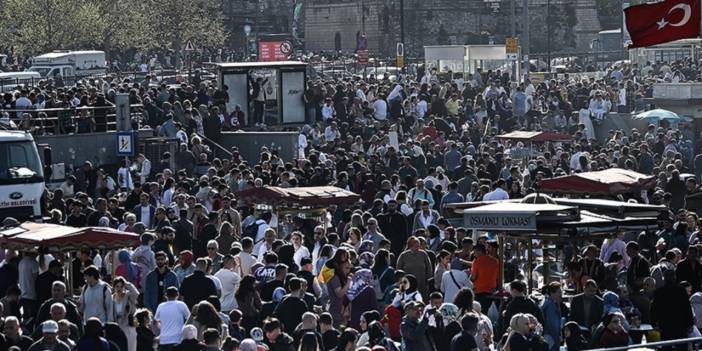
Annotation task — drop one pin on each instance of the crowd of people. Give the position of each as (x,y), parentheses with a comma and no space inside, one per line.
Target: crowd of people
(392,272)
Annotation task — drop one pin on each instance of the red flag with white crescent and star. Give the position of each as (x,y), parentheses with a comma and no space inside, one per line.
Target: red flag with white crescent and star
(662,22)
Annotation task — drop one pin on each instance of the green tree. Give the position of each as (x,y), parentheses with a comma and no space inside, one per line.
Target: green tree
(173,22)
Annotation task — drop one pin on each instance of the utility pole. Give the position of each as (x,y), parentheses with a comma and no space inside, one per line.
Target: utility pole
(402,21)
(525,36)
(548,35)
(513,17)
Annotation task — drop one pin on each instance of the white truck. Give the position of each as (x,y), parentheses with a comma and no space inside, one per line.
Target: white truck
(69,64)
(21,177)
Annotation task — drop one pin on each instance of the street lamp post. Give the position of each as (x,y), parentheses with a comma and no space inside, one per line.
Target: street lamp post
(548,34)
(247,32)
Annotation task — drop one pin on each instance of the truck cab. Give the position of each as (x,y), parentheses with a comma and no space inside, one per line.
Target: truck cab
(21,177)
(53,71)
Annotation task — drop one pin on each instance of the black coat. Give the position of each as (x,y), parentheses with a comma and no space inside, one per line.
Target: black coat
(577,311)
(394,227)
(671,311)
(197,287)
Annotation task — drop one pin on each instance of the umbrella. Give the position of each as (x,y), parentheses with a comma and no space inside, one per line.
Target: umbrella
(659,115)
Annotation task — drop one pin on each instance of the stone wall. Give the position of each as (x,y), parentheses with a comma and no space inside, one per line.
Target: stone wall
(435,22)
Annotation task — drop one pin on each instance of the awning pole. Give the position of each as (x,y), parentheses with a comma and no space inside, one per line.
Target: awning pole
(501,258)
(529,264)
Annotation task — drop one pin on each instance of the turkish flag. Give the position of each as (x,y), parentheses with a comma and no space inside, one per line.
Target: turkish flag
(662,22)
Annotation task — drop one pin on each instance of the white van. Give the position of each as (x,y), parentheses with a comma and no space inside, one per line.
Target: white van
(9,81)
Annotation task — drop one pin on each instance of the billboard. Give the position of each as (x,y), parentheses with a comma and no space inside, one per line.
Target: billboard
(274,50)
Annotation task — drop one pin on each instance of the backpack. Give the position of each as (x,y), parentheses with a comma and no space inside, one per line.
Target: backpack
(251,231)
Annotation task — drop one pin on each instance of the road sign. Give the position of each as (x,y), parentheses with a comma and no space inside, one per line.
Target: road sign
(400,55)
(286,47)
(512,48)
(125,144)
(189,46)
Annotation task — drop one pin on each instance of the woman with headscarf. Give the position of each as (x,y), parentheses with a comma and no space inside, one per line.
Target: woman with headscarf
(367,318)
(612,305)
(361,295)
(128,269)
(446,325)
(407,291)
(518,336)
(189,342)
(124,298)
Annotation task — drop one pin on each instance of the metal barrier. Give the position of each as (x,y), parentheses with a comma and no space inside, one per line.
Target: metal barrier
(656,345)
(58,121)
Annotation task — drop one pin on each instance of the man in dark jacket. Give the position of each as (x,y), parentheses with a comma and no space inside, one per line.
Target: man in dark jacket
(671,311)
(520,303)
(393,224)
(690,269)
(638,267)
(291,309)
(413,330)
(197,286)
(586,308)
(275,338)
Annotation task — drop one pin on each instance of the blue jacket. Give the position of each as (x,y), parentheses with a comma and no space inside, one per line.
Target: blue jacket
(151,288)
(552,323)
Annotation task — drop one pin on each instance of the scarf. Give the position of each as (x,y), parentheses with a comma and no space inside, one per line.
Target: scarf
(361,279)
(126,260)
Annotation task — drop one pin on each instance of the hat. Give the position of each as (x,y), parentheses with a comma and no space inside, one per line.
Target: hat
(49,327)
(257,334)
(305,261)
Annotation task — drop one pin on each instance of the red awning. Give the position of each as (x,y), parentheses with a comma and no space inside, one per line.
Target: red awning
(535,136)
(610,181)
(64,238)
(317,196)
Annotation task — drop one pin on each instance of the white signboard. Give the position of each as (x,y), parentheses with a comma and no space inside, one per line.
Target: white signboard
(511,222)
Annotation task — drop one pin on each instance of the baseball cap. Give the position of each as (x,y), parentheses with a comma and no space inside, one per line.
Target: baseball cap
(49,327)
(305,261)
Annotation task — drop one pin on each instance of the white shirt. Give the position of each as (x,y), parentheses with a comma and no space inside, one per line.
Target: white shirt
(172,316)
(575,161)
(300,253)
(449,288)
(422,108)
(497,194)
(230,284)
(381,109)
(331,134)
(28,272)
(260,234)
(124,178)
(146,216)
(145,170)
(246,260)
(327,112)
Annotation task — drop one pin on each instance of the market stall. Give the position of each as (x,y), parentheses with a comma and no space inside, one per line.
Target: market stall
(548,222)
(306,204)
(608,182)
(59,238)
(535,136)
(64,240)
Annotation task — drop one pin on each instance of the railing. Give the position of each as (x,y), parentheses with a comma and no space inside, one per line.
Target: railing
(58,121)
(655,345)
(216,145)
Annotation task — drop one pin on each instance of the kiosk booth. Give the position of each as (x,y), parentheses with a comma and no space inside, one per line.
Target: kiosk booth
(283,89)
